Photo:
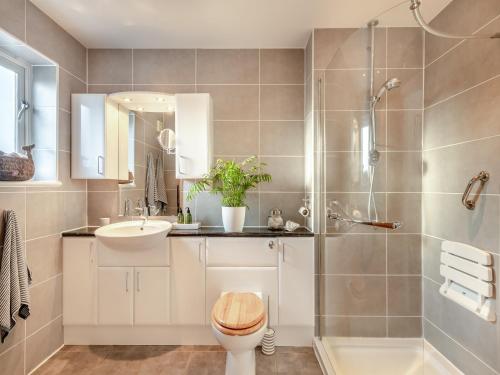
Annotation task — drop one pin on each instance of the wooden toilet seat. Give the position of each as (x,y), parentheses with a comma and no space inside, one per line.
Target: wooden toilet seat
(238,314)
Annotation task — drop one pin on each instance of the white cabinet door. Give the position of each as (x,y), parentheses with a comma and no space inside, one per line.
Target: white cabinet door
(187,267)
(152,295)
(244,252)
(116,295)
(243,279)
(296,305)
(79,281)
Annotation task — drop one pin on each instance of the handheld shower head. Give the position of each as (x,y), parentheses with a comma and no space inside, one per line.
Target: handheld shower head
(387,86)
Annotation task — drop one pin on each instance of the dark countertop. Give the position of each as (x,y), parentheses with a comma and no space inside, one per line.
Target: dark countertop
(208,232)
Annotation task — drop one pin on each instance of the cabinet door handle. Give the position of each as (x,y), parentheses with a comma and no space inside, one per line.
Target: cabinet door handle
(181,163)
(91,252)
(100,167)
(138,281)
(126,282)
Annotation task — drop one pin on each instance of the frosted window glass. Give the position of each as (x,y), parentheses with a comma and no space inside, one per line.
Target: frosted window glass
(8,103)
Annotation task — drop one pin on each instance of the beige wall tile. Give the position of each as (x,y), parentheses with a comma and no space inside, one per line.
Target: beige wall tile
(68,85)
(405,207)
(404,130)
(169,89)
(282,66)
(404,254)
(108,89)
(404,171)
(102,205)
(410,94)
(73,213)
(43,343)
(287,174)
(431,258)
(43,34)
(44,256)
(13,361)
(282,138)
(288,203)
(404,327)
(102,185)
(405,47)
(308,58)
(354,254)
(16,335)
(234,102)
(404,294)
(166,66)
(282,102)
(236,138)
(65,174)
(13,201)
(12,17)
(215,66)
(46,303)
(353,295)
(353,326)
(110,66)
(64,131)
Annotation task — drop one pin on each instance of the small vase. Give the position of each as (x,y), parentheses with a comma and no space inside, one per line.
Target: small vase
(233,218)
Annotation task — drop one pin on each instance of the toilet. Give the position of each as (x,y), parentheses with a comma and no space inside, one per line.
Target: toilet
(239,321)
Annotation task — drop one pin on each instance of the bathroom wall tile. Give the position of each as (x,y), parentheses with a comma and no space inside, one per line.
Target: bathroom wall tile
(404,294)
(449,169)
(353,295)
(168,89)
(480,337)
(288,203)
(349,172)
(404,130)
(64,131)
(282,66)
(102,205)
(234,102)
(102,185)
(347,48)
(165,66)
(348,130)
(449,122)
(354,254)
(353,326)
(73,210)
(404,254)
(46,36)
(110,66)
(109,89)
(44,256)
(404,327)
(245,132)
(16,335)
(308,57)
(467,362)
(227,66)
(68,84)
(282,138)
(287,174)
(282,102)
(65,174)
(404,171)
(43,343)
(431,258)
(12,17)
(405,47)
(410,94)
(458,18)
(46,304)
(13,361)
(405,207)
(445,217)
(13,201)
(474,61)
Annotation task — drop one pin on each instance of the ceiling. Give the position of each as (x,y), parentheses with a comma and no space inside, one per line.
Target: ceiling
(218,23)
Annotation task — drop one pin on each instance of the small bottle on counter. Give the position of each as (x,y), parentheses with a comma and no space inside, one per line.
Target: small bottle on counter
(188,219)
(180,216)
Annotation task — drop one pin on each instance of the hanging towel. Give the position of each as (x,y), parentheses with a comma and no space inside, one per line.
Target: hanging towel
(14,277)
(150,187)
(161,190)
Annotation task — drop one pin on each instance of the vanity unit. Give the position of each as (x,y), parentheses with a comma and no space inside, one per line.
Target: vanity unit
(166,297)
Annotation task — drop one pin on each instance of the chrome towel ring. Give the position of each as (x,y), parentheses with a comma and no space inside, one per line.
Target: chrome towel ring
(482,177)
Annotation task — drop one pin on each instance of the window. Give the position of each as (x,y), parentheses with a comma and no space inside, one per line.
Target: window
(13,105)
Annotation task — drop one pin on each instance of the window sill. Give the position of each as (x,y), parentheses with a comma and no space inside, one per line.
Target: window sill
(30,183)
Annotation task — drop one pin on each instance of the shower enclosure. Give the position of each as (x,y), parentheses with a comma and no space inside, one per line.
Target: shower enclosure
(364,168)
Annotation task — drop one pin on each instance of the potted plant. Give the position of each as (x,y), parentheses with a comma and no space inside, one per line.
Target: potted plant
(231,180)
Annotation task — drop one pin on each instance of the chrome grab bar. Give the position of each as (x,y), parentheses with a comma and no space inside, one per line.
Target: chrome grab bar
(482,177)
(379,224)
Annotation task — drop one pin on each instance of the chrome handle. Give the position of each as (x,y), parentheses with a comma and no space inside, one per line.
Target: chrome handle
(100,168)
(181,169)
(126,282)
(482,177)
(138,281)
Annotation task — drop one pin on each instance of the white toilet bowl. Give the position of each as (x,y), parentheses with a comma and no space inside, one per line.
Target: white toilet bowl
(239,342)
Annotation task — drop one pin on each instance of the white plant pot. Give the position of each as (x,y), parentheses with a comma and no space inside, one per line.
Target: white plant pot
(233,218)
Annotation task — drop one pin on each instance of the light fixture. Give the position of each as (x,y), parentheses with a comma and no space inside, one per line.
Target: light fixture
(140,109)
(170,108)
(127,99)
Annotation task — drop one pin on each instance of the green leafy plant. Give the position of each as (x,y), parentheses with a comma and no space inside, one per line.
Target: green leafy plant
(231,180)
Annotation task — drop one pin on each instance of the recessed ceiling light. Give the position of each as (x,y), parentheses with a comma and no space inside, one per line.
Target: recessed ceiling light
(127,99)
(140,109)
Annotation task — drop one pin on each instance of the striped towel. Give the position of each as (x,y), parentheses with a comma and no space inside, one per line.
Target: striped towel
(14,277)
(161,190)
(150,181)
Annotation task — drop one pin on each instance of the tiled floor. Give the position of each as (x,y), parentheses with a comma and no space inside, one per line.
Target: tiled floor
(171,360)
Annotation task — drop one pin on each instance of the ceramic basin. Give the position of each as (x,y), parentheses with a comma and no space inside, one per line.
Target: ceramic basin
(133,235)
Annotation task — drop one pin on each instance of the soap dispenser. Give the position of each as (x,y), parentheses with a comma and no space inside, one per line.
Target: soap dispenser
(180,216)
(188,219)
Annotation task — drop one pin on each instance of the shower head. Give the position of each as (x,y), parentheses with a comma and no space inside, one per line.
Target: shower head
(387,86)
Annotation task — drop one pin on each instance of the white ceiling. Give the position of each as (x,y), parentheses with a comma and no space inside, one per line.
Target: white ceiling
(218,23)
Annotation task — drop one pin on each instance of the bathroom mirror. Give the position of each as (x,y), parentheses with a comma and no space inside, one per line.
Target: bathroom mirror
(151,119)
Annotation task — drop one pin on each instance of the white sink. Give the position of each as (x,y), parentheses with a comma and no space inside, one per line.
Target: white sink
(133,235)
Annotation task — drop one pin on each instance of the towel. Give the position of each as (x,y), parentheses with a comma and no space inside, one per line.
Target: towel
(161,190)
(14,277)
(150,180)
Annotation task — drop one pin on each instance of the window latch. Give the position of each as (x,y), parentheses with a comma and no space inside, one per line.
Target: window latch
(24,106)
